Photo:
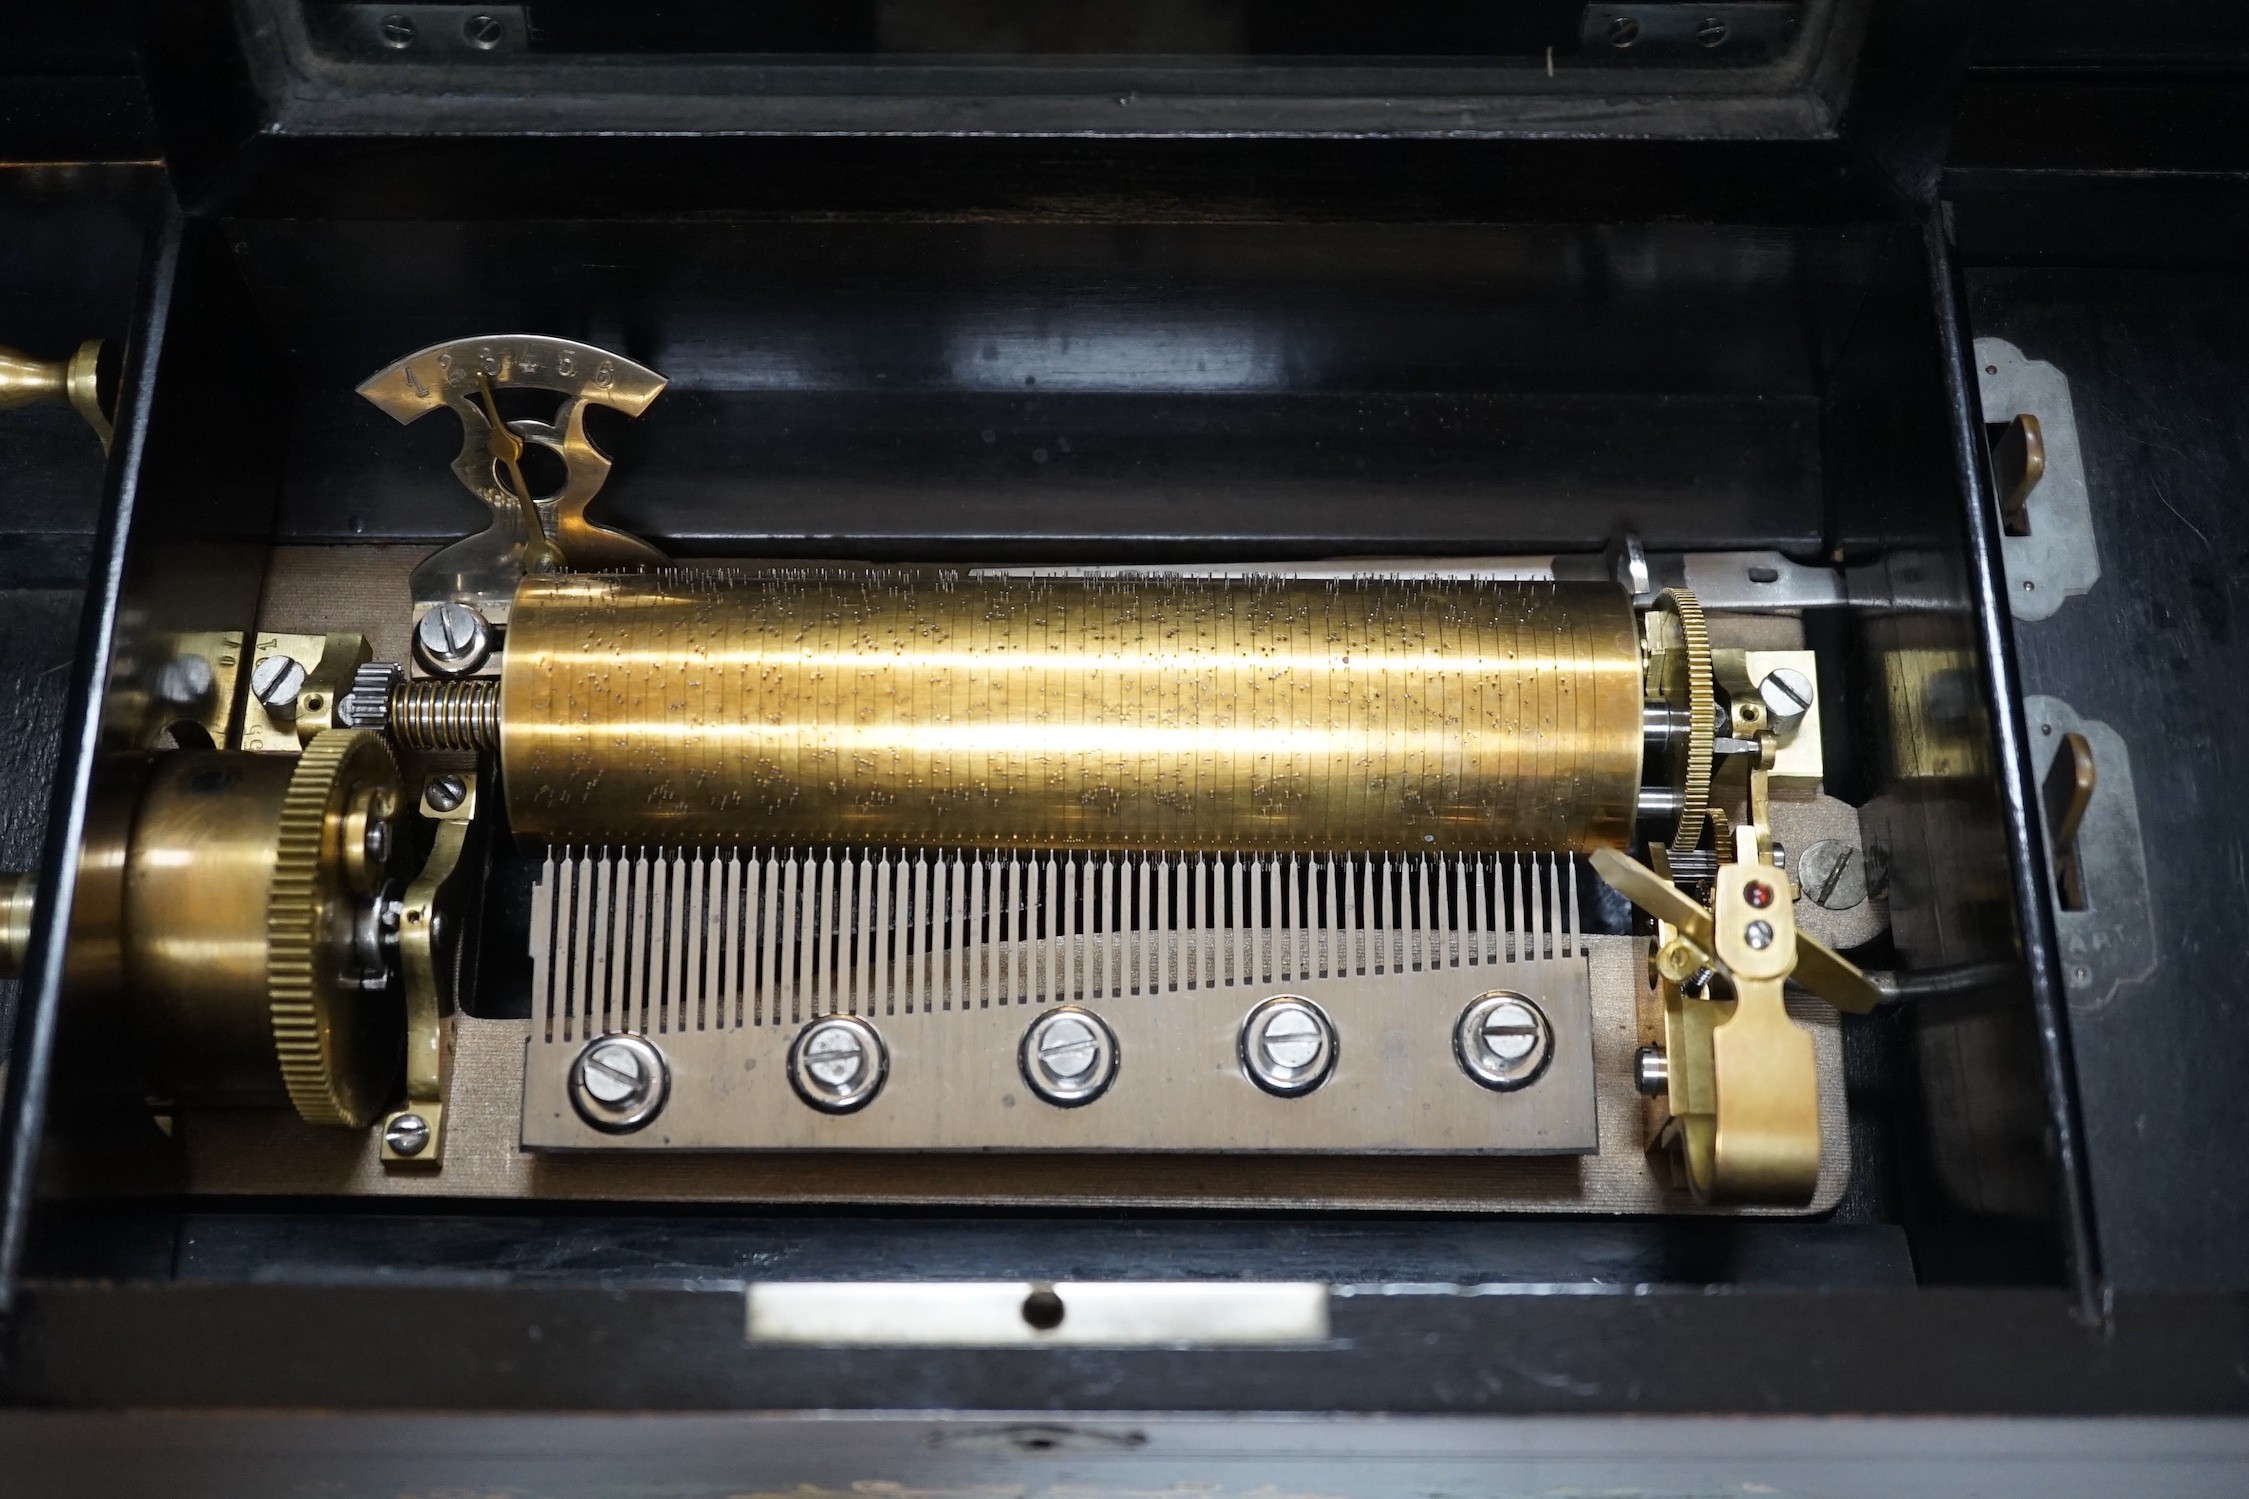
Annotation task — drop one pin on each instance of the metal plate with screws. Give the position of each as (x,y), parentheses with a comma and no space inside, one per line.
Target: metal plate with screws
(1669,34)
(428,33)
(2059,559)
(954,1078)
(2111,943)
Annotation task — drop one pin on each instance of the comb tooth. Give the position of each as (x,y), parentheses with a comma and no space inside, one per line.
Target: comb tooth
(1554,919)
(542,944)
(1428,936)
(1521,936)
(1573,929)
(607,943)
(1003,929)
(632,951)
(781,933)
(815,935)
(687,926)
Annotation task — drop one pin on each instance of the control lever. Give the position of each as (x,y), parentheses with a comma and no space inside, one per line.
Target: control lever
(1739,1077)
(2018,462)
(2068,791)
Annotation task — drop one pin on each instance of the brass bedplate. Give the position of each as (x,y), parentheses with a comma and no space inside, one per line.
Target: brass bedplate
(899,863)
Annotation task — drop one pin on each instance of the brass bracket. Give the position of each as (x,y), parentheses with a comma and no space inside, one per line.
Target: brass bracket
(483,569)
(428,942)
(328,662)
(1740,1078)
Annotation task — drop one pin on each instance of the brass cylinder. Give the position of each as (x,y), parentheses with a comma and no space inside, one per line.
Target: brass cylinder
(697,707)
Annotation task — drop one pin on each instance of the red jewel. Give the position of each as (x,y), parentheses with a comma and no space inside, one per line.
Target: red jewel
(1759,894)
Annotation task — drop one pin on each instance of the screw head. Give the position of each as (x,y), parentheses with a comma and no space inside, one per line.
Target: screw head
(1833,874)
(1502,1041)
(1758,934)
(1068,1056)
(185,681)
(1288,1045)
(378,843)
(396,32)
(1787,695)
(483,32)
(838,1063)
(1712,32)
(1623,31)
(275,681)
(452,639)
(446,792)
(408,1134)
(619,1082)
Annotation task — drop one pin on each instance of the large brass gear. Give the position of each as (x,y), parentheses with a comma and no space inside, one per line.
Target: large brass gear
(339,1043)
(1687,683)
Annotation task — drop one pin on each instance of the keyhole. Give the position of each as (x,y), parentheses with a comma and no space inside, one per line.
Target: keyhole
(1042,1309)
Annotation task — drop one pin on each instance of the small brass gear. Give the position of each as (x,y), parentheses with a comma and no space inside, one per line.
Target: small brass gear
(339,1045)
(1688,683)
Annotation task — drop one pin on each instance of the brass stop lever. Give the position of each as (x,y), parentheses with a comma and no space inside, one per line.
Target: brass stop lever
(1739,1077)
(2018,462)
(2067,792)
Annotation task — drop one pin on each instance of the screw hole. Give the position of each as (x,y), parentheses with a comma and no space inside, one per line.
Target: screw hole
(1042,1309)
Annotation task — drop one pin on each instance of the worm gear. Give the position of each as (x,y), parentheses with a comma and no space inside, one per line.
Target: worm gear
(1680,676)
(335,1013)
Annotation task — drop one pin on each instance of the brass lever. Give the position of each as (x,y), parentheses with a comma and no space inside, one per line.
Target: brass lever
(2018,462)
(2068,791)
(1739,1077)
(25,380)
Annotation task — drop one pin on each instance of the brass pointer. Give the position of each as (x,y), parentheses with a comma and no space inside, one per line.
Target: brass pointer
(540,555)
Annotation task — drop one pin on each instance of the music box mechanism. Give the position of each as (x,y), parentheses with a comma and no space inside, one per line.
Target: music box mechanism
(894,859)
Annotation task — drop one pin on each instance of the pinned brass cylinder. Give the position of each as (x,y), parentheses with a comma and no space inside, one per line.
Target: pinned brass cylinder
(698,707)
